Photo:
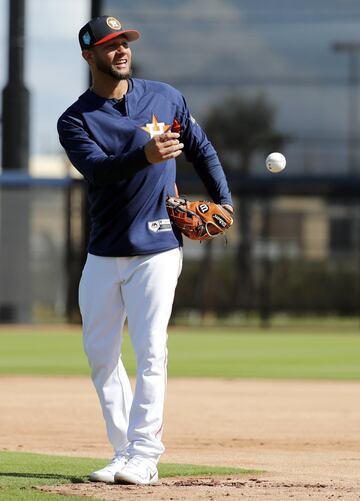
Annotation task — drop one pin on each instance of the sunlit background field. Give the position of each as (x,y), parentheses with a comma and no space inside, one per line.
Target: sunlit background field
(320,352)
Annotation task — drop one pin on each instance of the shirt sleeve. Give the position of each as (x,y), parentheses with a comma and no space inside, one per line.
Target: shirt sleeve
(91,161)
(201,153)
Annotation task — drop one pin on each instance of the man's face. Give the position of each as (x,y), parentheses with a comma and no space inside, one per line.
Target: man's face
(113,58)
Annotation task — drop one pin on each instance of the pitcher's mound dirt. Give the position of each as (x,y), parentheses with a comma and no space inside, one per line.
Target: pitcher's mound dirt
(303,435)
(214,488)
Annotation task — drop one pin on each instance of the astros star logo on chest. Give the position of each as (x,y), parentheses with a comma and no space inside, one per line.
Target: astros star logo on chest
(155,127)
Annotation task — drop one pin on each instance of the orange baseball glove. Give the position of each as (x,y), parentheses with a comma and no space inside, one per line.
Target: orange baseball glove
(198,220)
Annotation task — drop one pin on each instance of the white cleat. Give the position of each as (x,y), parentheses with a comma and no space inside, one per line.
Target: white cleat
(139,471)
(107,473)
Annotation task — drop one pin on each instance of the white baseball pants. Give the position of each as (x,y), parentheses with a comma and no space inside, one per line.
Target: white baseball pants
(142,289)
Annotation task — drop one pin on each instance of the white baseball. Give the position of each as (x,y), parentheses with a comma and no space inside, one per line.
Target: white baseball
(275,162)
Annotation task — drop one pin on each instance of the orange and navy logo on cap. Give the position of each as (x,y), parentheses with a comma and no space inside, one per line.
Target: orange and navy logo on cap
(113,23)
(156,128)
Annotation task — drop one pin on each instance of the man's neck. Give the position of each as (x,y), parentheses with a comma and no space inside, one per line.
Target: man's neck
(110,89)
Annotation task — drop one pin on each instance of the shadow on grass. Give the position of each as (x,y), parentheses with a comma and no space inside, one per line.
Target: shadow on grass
(45,476)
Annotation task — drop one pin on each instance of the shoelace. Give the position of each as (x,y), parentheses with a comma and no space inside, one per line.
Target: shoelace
(116,459)
(135,461)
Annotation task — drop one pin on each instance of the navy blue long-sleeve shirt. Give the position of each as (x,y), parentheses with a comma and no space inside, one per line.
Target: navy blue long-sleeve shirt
(105,138)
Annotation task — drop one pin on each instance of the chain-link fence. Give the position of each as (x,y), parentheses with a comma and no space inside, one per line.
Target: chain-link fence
(300,256)
(41,241)
(298,253)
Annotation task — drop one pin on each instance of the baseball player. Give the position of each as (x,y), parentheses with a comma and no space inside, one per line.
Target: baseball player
(118,135)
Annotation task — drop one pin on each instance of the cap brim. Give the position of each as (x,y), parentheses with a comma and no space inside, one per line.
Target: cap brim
(131,36)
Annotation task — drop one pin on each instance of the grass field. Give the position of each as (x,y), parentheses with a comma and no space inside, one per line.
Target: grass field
(310,353)
(322,352)
(20,472)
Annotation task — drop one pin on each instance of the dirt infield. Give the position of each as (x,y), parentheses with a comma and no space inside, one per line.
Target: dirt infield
(304,436)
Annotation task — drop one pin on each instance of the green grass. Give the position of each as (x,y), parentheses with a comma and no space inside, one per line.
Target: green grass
(305,353)
(20,472)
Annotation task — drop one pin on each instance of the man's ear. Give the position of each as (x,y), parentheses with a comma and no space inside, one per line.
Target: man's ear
(87,55)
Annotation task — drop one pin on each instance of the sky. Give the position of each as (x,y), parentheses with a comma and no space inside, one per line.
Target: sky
(207,49)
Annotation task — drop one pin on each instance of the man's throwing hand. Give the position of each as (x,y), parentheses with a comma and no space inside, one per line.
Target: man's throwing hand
(163,147)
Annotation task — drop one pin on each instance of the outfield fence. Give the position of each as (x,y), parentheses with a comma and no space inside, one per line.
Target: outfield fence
(294,250)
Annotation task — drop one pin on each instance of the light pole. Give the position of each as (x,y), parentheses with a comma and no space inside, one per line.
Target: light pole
(16,119)
(15,275)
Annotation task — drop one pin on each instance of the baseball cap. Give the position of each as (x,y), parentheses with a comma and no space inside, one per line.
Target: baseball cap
(101,29)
